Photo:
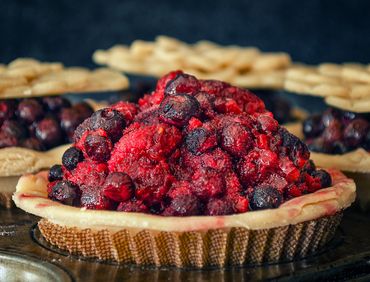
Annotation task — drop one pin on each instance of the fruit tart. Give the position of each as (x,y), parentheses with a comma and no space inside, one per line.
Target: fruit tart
(340,139)
(198,174)
(33,135)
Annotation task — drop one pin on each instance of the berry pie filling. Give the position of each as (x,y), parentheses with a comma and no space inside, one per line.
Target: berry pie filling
(191,147)
(40,123)
(337,132)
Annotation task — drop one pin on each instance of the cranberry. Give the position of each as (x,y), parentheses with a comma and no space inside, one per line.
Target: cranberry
(7,110)
(178,109)
(98,147)
(324,177)
(70,118)
(14,129)
(133,206)
(219,207)
(200,140)
(265,197)
(333,132)
(55,173)
(71,157)
(226,105)
(56,103)
(110,121)
(65,192)
(93,198)
(49,132)
(236,139)
(30,110)
(267,123)
(312,126)
(206,103)
(184,84)
(84,109)
(33,144)
(355,132)
(118,186)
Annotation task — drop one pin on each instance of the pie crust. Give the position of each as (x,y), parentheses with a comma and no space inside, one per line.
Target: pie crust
(297,228)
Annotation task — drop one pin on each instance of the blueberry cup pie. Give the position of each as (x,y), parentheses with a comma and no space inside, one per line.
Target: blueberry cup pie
(197,174)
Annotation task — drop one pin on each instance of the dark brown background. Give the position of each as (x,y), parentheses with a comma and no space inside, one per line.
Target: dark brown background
(69,31)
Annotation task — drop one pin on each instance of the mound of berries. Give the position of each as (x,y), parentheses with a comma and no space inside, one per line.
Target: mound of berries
(192,147)
(40,123)
(337,132)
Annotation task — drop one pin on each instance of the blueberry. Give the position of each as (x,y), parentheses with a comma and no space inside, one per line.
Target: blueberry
(265,197)
(55,104)
(72,157)
(14,129)
(312,126)
(55,173)
(65,192)
(111,121)
(184,84)
(48,131)
(324,176)
(292,145)
(200,140)
(355,132)
(98,147)
(178,109)
(30,110)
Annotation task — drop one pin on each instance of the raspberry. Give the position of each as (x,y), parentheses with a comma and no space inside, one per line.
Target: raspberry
(87,173)
(208,184)
(178,109)
(127,110)
(118,186)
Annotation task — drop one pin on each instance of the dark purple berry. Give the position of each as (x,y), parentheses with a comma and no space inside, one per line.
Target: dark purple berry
(183,205)
(55,173)
(265,197)
(200,140)
(33,144)
(30,110)
(355,132)
(55,104)
(324,176)
(182,84)
(14,129)
(332,132)
(65,192)
(98,147)
(338,147)
(84,109)
(348,116)
(7,141)
(48,131)
(312,126)
(207,105)
(111,121)
(71,157)
(81,129)
(178,109)
(69,120)
(330,115)
(7,110)
(309,166)
(219,207)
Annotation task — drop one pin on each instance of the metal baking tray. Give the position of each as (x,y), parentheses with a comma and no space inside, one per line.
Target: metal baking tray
(25,255)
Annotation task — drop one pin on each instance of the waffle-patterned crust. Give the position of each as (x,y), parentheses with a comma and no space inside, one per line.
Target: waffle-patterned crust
(25,77)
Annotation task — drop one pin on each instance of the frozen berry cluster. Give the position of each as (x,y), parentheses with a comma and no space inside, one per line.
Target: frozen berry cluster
(192,147)
(40,123)
(337,132)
